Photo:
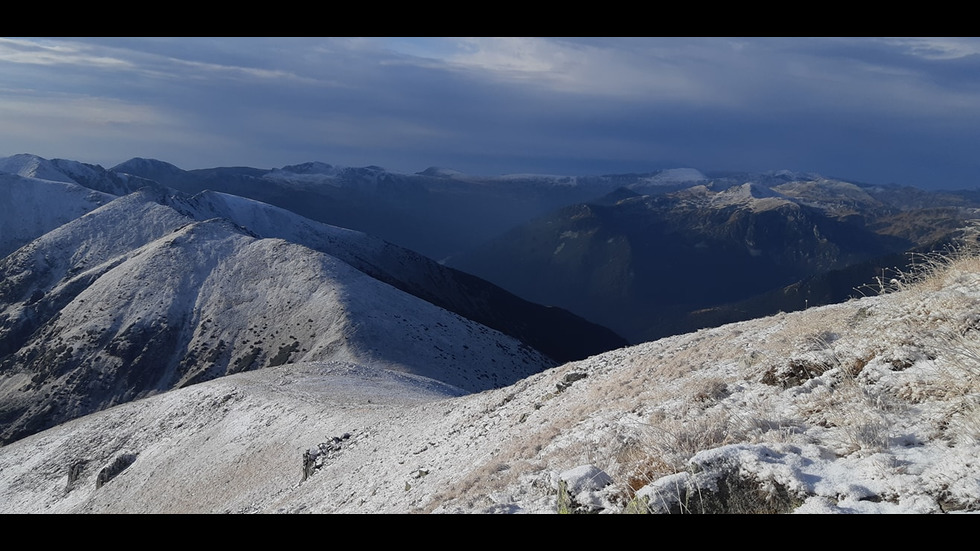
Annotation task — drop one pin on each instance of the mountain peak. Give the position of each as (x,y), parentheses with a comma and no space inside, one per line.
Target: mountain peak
(312,167)
(32,166)
(750,194)
(752,190)
(139,165)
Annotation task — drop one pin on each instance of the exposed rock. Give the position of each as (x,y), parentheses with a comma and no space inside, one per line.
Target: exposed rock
(578,488)
(717,484)
(74,473)
(314,458)
(569,379)
(110,471)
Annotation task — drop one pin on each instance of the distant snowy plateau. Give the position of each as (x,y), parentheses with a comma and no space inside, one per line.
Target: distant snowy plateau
(169,350)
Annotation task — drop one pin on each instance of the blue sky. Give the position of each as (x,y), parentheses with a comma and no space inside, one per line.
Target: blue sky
(881,110)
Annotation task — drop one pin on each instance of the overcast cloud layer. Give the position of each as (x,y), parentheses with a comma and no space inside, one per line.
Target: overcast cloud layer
(875,110)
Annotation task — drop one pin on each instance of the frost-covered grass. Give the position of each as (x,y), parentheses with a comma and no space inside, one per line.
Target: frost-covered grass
(871,406)
(868,406)
(873,412)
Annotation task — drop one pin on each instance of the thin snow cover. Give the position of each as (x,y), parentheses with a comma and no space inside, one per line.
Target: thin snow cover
(870,406)
(751,195)
(828,195)
(171,266)
(75,170)
(31,207)
(227,299)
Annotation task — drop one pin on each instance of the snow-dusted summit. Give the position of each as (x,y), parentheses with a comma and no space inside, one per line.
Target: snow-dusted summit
(136,298)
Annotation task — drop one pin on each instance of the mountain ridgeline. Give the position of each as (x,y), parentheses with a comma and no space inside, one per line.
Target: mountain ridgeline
(436,213)
(158,289)
(118,284)
(649,266)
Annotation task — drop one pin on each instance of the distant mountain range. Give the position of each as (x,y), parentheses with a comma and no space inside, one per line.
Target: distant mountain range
(158,289)
(653,265)
(243,339)
(124,282)
(437,213)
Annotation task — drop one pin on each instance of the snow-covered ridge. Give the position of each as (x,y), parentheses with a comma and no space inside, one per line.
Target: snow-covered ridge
(675,175)
(30,207)
(868,406)
(32,166)
(146,164)
(749,194)
(137,287)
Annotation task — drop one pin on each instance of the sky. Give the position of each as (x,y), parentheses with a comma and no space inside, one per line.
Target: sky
(875,110)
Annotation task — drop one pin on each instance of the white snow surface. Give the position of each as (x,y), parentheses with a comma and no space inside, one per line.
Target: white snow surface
(751,195)
(32,166)
(675,176)
(870,406)
(358,249)
(219,282)
(31,207)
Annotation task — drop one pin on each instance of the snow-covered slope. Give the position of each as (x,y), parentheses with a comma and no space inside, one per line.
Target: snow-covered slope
(32,166)
(248,431)
(31,207)
(38,195)
(553,331)
(867,406)
(135,299)
(97,178)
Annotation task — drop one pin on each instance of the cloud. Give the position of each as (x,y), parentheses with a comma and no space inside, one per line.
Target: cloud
(56,53)
(626,68)
(496,105)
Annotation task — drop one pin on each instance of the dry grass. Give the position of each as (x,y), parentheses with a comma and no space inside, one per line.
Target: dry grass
(815,358)
(959,379)
(931,271)
(954,335)
(679,408)
(663,447)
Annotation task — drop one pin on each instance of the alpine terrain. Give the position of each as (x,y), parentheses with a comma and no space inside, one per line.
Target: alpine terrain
(649,265)
(189,342)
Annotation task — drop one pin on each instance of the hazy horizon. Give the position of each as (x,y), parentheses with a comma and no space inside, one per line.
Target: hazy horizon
(875,110)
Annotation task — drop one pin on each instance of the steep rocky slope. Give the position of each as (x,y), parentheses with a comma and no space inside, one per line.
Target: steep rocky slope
(640,264)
